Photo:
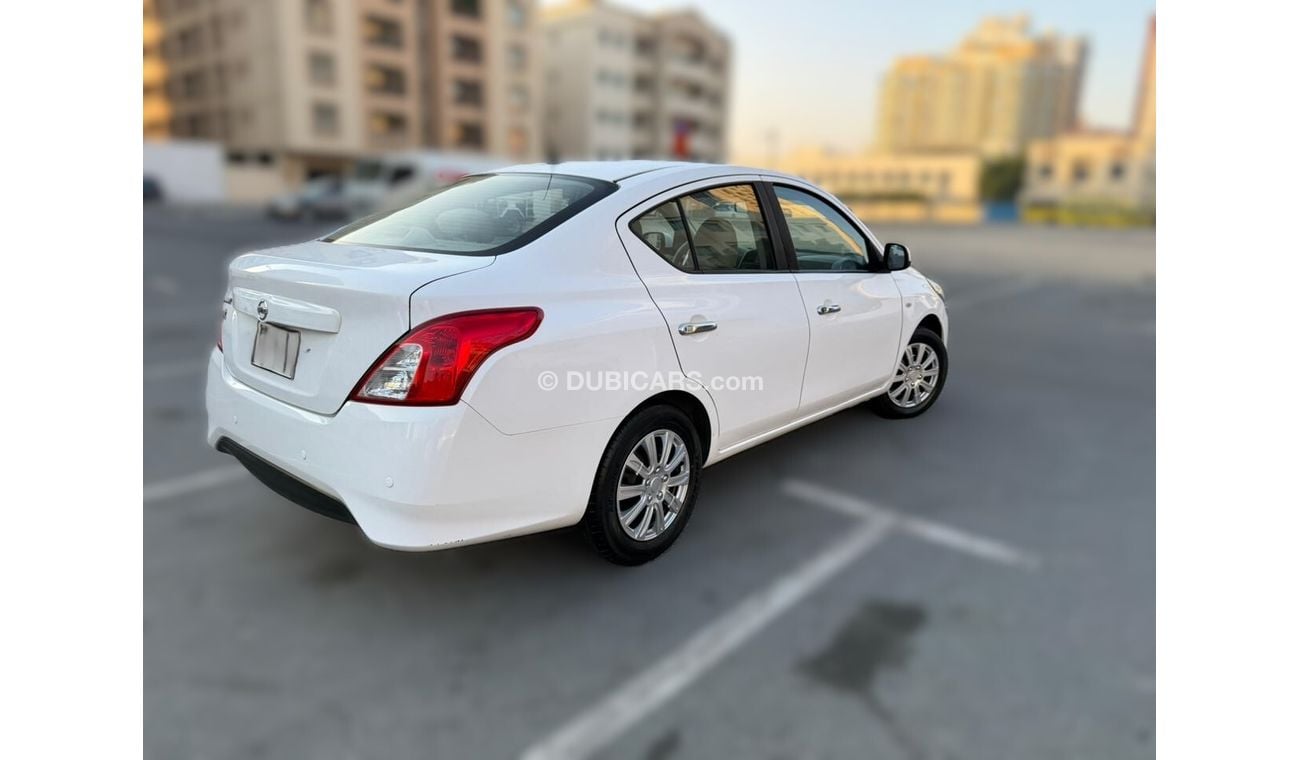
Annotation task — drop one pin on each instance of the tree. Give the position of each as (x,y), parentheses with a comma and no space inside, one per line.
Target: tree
(1000,178)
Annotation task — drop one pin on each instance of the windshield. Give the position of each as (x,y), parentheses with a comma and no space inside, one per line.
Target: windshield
(484,214)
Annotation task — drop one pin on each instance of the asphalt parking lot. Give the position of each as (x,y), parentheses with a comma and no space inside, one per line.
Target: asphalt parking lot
(975,583)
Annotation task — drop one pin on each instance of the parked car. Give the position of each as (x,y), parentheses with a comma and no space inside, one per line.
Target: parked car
(395,180)
(557,345)
(153,192)
(318,198)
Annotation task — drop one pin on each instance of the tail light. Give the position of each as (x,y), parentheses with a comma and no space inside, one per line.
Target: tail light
(432,364)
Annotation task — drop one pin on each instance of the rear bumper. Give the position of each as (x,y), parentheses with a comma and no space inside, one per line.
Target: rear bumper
(287,485)
(412,478)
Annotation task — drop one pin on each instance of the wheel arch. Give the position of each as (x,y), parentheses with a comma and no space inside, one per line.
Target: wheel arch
(690,405)
(932,323)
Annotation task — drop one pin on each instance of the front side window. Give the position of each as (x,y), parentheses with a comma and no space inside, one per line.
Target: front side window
(483,215)
(823,239)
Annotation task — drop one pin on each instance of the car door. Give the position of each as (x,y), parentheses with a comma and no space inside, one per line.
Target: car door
(706,255)
(854,309)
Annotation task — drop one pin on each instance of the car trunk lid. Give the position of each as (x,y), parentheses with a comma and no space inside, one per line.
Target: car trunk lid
(304,322)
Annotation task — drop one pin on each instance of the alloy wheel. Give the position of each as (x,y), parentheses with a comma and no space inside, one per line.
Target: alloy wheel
(653,484)
(915,379)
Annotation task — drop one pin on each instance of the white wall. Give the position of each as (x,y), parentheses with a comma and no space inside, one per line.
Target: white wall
(190,171)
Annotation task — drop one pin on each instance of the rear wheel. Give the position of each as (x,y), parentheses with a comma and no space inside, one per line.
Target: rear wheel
(645,487)
(918,378)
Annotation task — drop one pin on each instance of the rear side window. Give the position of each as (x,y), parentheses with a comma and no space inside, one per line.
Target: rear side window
(481,215)
(716,230)
(663,230)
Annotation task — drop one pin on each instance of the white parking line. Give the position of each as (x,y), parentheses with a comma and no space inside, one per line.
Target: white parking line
(596,727)
(174,369)
(186,484)
(926,530)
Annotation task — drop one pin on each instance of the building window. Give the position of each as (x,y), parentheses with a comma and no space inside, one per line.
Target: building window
(469,135)
(1117,171)
(517,57)
(321,68)
(325,119)
(467,92)
(468,8)
(386,80)
(516,14)
(320,17)
(518,141)
(519,96)
(384,32)
(1045,172)
(189,41)
(466,49)
(193,85)
(1080,172)
(387,124)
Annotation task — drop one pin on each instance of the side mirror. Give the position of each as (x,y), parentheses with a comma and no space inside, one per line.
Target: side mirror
(897,257)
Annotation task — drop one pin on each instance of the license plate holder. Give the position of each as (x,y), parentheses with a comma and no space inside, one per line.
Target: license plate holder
(275,349)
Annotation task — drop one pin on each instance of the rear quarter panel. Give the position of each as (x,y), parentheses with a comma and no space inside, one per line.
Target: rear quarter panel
(600,328)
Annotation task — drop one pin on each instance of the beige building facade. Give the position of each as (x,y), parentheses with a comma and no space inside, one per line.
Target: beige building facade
(297,88)
(918,187)
(1099,175)
(621,84)
(1002,87)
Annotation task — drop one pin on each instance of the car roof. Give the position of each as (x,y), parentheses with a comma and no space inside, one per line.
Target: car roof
(618,171)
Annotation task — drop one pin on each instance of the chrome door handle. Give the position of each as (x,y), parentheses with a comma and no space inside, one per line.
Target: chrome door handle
(694,328)
(828,308)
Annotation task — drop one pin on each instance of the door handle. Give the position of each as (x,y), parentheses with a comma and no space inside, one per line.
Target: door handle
(694,328)
(828,308)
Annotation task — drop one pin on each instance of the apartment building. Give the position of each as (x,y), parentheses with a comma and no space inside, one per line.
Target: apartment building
(483,77)
(999,89)
(621,84)
(297,88)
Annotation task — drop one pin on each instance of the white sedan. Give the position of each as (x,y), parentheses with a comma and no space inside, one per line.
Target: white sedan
(553,345)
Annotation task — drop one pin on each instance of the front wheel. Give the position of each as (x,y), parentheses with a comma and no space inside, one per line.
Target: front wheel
(917,380)
(645,487)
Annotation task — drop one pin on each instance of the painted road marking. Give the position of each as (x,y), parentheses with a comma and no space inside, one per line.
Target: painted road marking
(926,530)
(602,723)
(187,484)
(606,720)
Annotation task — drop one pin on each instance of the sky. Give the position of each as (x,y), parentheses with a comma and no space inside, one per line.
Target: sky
(809,69)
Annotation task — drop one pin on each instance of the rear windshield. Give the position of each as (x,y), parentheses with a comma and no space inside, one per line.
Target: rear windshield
(481,215)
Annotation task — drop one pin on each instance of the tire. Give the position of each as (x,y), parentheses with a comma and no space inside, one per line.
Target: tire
(896,403)
(602,524)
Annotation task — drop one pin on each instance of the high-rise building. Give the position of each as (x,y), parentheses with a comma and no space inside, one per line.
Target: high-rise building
(295,88)
(621,84)
(999,89)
